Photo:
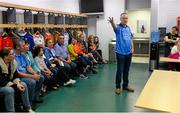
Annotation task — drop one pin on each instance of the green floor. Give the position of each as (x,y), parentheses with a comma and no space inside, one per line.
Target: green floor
(96,94)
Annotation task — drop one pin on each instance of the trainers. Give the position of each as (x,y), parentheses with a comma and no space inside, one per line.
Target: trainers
(82,76)
(104,62)
(94,71)
(118,91)
(72,81)
(129,89)
(67,83)
(31,111)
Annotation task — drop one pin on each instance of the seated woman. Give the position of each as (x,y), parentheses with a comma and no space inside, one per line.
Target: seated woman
(84,48)
(50,78)
(79,59)
(10,83)
(96,42)
(93,49)
(175,54)
(78,48)
(59,68)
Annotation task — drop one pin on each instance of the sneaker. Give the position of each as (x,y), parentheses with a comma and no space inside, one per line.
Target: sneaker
(82,76)
(67,83)
(129,89)
(31,111)
(72,81)
(104,62)
(94,71)
(118,91)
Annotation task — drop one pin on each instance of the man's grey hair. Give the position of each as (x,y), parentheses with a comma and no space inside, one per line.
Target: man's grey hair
(123,14)
(17,43)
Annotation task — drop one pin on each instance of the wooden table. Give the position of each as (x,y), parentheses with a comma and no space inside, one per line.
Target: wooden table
(166,59)
(161,92)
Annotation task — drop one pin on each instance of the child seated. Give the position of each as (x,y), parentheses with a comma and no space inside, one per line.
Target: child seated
(175,54)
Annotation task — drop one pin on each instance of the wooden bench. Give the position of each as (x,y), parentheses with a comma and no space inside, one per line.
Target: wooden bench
(161,92)
(166,59)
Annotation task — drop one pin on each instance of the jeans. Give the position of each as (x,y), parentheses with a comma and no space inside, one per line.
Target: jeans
(97,56)
(123,65)
(25,97)
(70,68)
(34,87)
(8,93)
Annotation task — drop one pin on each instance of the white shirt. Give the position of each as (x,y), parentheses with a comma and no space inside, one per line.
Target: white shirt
(39,40)
(174,50)
(66,38)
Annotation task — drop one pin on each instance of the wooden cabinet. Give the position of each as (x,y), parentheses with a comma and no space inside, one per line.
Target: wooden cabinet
(141,47)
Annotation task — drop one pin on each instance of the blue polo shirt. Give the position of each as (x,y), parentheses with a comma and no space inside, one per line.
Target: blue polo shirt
(49,53)
(61,51)
(29,38)
(124,38)
(22,62)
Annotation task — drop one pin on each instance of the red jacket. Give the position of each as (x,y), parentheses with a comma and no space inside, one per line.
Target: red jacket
(6,42)
(174,56)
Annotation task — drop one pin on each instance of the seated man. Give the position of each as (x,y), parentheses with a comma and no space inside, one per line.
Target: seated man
(49,53)
(170,40)
(33,63)
(63,54)
(33,80)
(10,83)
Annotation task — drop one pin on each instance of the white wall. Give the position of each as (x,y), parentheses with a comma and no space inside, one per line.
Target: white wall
(101,27)
(154,14)
(137,4)
(112,8)
(63,5)
(169,10)
(92,27)
(134,16)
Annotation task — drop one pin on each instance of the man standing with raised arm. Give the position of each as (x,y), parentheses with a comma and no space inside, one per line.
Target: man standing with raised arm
(124,50)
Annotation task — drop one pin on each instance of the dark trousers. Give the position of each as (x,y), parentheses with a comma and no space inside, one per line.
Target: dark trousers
(61,75)
(123,65)
(82,62)
(97,56)
(167,51)
(70,68)
(50,82)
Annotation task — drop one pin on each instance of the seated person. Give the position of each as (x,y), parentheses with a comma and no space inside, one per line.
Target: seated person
(96,42)
(61,71)
(33,80)
(93,49)
(33,64)
(84,44)
(78,48)
(175,54)
(84,49)
(10,83)
(62,53)
(50,78)
(79,59)
(170,40)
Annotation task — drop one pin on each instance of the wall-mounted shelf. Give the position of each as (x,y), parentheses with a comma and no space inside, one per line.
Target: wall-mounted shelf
(22,7)
(40,26)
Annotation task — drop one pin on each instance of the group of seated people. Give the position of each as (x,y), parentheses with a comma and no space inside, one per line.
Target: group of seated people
(27,74)
(172,48)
